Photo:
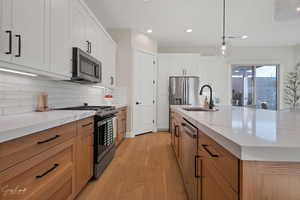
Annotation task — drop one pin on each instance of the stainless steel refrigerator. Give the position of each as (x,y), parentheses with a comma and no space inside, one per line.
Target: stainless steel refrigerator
(184,90)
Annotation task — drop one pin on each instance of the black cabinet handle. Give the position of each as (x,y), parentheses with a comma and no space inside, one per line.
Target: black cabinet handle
(48,140)
(196,166)
(85,125)
(19,46)
(205,146)
(88,46)
(177,131)
(48,171)
(111,80)
(9,42)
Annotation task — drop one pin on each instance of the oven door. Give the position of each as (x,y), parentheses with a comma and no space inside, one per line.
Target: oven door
(86,69)
(104,137)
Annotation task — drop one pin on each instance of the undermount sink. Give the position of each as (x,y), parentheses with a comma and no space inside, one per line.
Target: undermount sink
(199,109)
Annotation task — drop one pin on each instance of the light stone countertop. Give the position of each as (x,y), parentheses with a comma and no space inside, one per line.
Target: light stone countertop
(15,126)
(251,134)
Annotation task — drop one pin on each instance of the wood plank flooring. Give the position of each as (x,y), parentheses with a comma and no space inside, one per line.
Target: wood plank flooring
(144,168)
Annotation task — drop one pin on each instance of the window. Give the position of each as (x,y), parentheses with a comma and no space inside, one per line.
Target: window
(255,86)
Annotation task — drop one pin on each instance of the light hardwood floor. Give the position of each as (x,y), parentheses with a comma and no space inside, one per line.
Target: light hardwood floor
(144,168)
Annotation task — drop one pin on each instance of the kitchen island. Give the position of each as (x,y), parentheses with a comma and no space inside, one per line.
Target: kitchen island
(238,153)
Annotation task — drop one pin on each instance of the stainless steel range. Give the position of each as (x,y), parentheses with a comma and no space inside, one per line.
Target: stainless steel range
(104,132)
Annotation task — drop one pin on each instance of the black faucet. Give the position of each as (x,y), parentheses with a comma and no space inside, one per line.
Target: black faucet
(211,102)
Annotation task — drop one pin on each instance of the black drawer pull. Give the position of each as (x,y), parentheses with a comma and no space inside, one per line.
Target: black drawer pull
(85,125)
(196,167)
(48,140)
(9,42)
(176,131)
(19,46)
(48,171)
(205,146)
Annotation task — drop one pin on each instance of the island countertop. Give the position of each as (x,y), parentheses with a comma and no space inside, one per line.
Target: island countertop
(251,134)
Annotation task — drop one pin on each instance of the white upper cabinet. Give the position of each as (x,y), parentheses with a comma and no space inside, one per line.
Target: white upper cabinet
(29,33)
(5,30)
(109,63)
(60,47)
(38,36)
(79,27)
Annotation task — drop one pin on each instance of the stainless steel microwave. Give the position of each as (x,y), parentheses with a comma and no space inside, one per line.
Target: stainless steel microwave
(86,69)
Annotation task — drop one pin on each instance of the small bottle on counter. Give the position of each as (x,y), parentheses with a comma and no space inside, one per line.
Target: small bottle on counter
(206,104)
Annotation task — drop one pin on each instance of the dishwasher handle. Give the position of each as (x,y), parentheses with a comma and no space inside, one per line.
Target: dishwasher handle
(190,129)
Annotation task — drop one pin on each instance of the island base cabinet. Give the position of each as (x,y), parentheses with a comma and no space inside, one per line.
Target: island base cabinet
(270,180)
(213,186)
(189,159)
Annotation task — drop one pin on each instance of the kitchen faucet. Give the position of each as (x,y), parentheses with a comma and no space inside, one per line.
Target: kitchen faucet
(211,103)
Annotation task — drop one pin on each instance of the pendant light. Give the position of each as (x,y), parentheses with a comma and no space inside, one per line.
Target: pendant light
(224,46)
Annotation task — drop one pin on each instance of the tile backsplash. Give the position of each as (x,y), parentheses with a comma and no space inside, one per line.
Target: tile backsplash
(18,94)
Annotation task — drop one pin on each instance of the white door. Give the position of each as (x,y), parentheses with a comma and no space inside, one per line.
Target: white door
(29,33)
(144,92)
(5,30)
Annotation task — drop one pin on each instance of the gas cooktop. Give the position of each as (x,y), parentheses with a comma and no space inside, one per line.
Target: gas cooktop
(101,111)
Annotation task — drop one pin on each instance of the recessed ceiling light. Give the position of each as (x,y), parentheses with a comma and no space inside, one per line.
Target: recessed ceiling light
(149,31)
(298,9)
(245,37)
(189,30)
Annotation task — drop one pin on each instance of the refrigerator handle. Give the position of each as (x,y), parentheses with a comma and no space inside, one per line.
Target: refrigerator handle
(184,91)
(188,91)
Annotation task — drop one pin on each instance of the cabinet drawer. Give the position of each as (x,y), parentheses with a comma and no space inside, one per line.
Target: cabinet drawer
(223,161)
(15,151)
(85,126)
(42,176)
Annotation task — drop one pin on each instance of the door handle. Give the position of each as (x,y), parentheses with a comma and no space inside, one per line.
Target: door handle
(19,46)
(138,103)
(9,42)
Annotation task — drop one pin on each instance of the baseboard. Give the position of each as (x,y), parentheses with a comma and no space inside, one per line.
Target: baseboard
(129,134)
(163,129)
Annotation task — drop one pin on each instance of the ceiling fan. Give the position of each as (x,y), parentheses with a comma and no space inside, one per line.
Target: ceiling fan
(227,37)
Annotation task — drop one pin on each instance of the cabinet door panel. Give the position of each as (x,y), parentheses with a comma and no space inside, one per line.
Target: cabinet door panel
(108,65)
(5,25)
(214,186)
(83,162)
(189,151)
(78,29)
(29,22)
(61,52)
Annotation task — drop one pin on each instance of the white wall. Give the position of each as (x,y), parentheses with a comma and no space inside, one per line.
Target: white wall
(217,70)
(18,94)
(128,42)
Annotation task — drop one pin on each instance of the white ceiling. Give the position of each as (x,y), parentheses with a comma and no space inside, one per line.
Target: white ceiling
(266,22)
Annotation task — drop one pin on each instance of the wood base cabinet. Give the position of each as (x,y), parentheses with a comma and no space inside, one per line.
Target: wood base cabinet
(84,152)
(220,175)
(121,125)
(54,164)
(176,140)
